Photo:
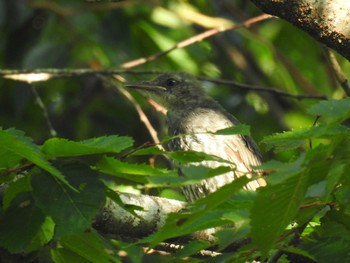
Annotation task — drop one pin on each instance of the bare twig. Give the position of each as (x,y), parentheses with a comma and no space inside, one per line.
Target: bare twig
(262,89)
(337,71)
(36,75)
(46,115)
(17,169)
(314,124)
(195,39)
(142,115)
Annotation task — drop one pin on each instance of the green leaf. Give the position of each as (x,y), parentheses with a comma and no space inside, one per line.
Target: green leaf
(14,141)
(280,171)
(192,248)
(275,207)
(329,249)
(62,255)
(192,174)
(20,223)
(8,159)
(120,169)
(200,215)
(43,236)
(194,157)
(71,211)
(134,253)
(152,150)
(241,129)
(89,246)
(114,196)
(334,110)
(58,147)
(330,241)
(223,194)
(180,56)
(14,188)
(293,139)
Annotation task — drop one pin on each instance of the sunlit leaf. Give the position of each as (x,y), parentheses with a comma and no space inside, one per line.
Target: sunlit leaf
(130,171)
(293,139)
(333,110)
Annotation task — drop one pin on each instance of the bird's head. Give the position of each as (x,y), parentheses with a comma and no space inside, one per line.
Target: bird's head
(171,90)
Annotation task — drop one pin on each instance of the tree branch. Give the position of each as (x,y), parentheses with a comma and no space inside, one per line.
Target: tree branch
(326,21)
(115,220)
(195,39)
(262,89)
(36,75)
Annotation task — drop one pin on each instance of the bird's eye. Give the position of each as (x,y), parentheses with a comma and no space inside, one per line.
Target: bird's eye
(171,82)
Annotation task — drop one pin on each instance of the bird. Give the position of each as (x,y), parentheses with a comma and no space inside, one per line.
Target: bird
(192,118)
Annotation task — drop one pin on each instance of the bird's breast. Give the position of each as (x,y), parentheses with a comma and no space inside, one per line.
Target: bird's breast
(195,125)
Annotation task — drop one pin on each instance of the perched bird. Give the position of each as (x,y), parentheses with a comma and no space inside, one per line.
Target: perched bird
(193,113)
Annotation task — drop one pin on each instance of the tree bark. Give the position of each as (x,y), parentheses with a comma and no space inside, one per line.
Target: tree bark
(113,220)
(325,20)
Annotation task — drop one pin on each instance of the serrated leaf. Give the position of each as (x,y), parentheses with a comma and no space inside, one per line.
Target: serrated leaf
(14,141)
(58,147)
(20,223)
(90,246)
(295,138)
(335,110)
(280,171)
(8,159)
(274,208)
(130,171)
(152,150)
(71,211)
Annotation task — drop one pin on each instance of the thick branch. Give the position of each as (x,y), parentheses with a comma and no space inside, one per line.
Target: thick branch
(114,220)
(325,20)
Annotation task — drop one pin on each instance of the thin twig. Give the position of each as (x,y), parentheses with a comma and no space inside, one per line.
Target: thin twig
(37,75)
(262,89)
(142,115)
(195,39)
(17,169)
(314,124)
(46,115)
(337,71)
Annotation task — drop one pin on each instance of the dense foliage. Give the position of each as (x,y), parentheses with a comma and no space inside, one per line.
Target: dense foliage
(69,143)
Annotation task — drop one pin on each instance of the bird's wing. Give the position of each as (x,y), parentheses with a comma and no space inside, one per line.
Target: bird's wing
(243,153)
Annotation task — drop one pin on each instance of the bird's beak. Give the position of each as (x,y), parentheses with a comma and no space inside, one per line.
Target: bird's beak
(145,85)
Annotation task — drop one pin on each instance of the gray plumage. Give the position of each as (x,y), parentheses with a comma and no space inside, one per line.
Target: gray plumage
(190,111)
